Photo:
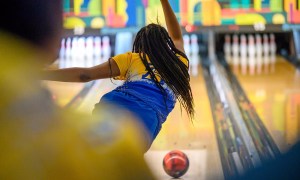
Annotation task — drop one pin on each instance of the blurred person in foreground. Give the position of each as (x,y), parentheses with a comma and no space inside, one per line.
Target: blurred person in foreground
(37,139)
(286,166)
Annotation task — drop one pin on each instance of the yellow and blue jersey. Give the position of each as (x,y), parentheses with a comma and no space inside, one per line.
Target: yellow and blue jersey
(132,68)
(140,95)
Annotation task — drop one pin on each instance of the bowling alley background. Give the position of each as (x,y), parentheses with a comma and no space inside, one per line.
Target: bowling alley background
(98,14)
(245,77)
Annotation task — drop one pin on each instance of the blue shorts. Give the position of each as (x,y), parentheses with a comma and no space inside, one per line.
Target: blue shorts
(145,114)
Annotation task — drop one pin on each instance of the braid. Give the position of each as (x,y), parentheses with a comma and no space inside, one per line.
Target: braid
(154,41)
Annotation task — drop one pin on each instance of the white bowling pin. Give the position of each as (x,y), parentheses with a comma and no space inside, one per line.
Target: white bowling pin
(235,51)
(89,51)
(194,45)
(74,52)
(68,48)
(227,47)
(243,46)
(62,54)
(97,50)
(106,49)
(251,53)
(251,46)
(266,45)
(81,52)
(273,48)
(186,44)
(194,59)
(235,46)
(258,44)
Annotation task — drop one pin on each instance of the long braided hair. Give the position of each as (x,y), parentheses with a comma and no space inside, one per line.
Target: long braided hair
(154,41)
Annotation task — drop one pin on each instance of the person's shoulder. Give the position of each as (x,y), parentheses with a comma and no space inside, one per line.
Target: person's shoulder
(122,55)
(181,55)
(183,58)
(133,54)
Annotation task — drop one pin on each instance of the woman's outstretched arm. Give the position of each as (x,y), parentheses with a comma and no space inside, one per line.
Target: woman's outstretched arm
(172,25)
(105,70)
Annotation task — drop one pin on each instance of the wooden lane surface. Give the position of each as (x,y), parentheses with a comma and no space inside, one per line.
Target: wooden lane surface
(63,92)
(275,94)
(197,139)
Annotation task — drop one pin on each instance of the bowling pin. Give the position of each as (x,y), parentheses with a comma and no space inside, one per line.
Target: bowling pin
(251,54)
(62,54)
(266,47)
(186,44)
(259,53)
(235,51)
(251,46)
(97,50)
(89,51)
(194,54)
(74,51)
(235,46)
(81,52)
(235,59)
(106,49)
(227,48)
(243,46)
(194,44)
(273,48)
(194,62)
(258,44)
(68,52)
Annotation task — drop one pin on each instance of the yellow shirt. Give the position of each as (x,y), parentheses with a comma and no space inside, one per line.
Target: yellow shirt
(132,68)
(40,141)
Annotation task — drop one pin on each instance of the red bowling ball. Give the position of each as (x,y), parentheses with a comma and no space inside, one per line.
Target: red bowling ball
(176,163)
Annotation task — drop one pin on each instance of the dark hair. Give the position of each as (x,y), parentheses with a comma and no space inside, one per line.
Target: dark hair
(33,20)
(154,41)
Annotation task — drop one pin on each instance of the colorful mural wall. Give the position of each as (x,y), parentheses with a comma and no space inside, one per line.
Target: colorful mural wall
(137,13)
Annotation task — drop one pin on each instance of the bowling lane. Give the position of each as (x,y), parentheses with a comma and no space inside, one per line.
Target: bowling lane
(197,139)
(63,92)
(274,90)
